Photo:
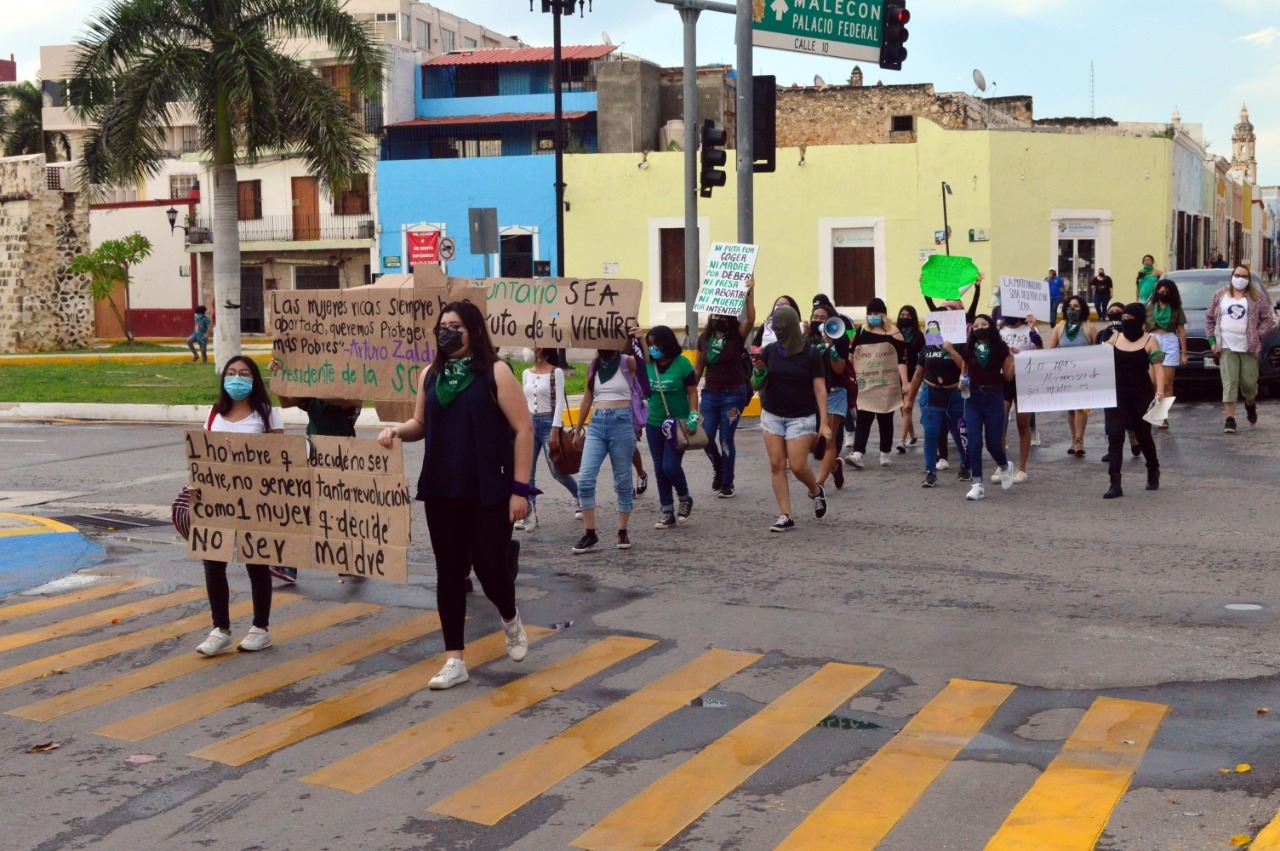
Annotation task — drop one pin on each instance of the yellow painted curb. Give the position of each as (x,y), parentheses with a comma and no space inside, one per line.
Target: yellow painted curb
(49,526)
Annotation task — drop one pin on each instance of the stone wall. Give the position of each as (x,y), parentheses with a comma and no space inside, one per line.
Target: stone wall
(42,306)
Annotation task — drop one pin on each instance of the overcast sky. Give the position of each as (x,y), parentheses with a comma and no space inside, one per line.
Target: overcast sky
(1148,56)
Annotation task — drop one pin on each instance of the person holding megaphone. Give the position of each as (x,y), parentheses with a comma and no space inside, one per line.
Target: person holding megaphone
(827,334)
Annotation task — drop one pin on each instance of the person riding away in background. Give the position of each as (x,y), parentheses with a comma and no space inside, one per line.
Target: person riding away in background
(938,372)
(544,395)
(791,378)
(909,327)
(877,405)
(200,334)
(834,351)
(1238,318)
(674,399)
(1167,322)
(727,391)
(1074,330)
(988,364)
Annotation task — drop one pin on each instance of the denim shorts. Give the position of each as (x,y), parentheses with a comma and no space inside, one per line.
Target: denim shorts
(1172,349)
(790,428)
(838,402)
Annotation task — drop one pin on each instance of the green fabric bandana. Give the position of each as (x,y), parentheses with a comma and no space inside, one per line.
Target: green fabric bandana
(1071,329)
(982,351)
(607,369)
(456,378)
(1163,316)
(715,347)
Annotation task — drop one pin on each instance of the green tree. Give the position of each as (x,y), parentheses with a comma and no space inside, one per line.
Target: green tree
(23,131)
(251,97)
(108,265)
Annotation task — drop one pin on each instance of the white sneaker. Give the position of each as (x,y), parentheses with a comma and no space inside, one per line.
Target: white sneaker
(1019,477)
(530,520)
(941,465)
(976,492)
(518,526)
(219,641)
(1006,476)
(1035,437)
(996,476)
(577,511)
(257,639)
(517,641)
(885,459)
(453,673)
(855,460)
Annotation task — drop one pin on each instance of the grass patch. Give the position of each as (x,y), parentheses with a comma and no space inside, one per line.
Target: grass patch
(143,384)
(137,348)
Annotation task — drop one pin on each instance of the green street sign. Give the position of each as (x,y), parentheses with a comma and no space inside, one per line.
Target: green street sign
(849,29)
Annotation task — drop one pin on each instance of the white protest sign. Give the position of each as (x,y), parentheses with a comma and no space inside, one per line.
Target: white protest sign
(1070,379)
(1021,297)
(949,323)
(724,286)
(1158,410)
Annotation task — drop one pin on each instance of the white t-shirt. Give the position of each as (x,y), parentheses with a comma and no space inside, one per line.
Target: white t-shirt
(1233,323)
(537,393)
(251,424)
(1017,338)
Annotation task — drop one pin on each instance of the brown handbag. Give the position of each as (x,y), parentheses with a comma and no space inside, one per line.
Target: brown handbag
(566,456)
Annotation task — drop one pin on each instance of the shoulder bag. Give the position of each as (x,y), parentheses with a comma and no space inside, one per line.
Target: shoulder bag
(566,456)
(684,439)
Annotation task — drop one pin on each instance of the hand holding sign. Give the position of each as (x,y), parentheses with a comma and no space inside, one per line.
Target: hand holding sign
(943,276)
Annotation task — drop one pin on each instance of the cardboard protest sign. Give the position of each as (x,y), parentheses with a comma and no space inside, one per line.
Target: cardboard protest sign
(949,323)
(1070,379)
(943,276)
(333,503)
(1022,297)
(724,286)
(875,367)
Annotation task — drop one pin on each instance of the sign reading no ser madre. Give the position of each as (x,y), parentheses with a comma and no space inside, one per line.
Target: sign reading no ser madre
(849,29)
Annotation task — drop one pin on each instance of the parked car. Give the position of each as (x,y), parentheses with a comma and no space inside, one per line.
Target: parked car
(1197,286)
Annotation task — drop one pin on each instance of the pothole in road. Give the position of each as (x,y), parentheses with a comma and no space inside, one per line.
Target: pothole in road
(1052,725)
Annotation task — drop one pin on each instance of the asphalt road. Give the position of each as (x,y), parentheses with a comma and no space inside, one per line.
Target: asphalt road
(1050,592)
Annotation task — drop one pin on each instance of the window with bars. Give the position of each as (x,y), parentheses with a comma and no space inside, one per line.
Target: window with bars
(180,185)
(354,201)
(248,200)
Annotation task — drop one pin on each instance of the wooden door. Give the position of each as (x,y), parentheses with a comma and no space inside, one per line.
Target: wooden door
(306,208)
(854,276)
(671,258)
(105,323)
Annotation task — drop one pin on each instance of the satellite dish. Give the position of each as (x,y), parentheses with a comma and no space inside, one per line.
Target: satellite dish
(819,82)
(979,80)
(605,37)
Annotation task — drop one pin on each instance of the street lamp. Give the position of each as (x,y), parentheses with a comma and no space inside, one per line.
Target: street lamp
(172,215)
(558,8)
(946,228)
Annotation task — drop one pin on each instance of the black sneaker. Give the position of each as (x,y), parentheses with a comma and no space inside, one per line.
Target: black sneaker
(666,521)
(726,492)
(1230,427)
(837,476)
(586,542)
(642,485)
(964,475)
(820,504)
(684,508)
(717,481)
(1251,413)
(783,524)
(624,540)
(930,480)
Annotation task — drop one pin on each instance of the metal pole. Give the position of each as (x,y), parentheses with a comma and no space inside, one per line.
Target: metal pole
(559,109)
(691,260)
(946,228)
(746,126)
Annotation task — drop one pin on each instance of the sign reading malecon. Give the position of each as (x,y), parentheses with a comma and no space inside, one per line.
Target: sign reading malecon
(849,29)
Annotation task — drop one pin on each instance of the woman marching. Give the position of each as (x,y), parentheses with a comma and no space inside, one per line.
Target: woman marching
(1020,335)
(881,392)
(1074,330)
(1168,324)
(988,364)
(612,388)
(726,392)
(909,328)
(545,398)
(834,351)
(243,407)
(474,481)
(938,371)
(791,378)
(1239,316)
(1136,352)
(673,398)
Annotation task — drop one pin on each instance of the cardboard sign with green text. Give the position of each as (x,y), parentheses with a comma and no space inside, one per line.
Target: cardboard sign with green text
(875,367)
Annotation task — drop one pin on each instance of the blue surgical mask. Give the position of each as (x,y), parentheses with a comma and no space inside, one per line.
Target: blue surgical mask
(655,353)
(238,387)
(875,321)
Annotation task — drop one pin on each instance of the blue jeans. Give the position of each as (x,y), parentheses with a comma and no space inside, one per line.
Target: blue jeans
(667,467)
(984,415)
(541,447)
(193,341)
(936,423)
(609,433)
(1054,304)
(721,410)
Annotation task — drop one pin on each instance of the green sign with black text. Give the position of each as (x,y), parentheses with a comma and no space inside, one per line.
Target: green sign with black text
(849,29)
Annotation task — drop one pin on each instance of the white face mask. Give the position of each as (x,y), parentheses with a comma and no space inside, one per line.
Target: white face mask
(1239,282)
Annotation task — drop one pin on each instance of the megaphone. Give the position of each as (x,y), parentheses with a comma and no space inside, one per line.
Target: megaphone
(833,327)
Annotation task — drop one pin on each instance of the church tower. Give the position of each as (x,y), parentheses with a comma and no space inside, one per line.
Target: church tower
(1243,142)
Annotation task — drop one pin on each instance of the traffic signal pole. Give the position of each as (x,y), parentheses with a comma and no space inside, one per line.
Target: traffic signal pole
(746,126)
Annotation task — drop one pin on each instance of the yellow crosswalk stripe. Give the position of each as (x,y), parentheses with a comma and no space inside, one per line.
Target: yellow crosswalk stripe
(858,815)
(120,644)
(656,815)
(334,711)
(387,758)
(1269,838)
(193,707)
(509,787)
(169,669)
(1069,805)
(102,618)
(44,604)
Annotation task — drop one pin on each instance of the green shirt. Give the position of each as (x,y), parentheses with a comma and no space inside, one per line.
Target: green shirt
(326,419)
(672,383)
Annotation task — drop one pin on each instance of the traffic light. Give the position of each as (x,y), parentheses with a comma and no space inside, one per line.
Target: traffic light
(764,134)
(713,158)
(894,35)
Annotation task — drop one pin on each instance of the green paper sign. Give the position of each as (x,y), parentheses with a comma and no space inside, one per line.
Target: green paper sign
(943,277)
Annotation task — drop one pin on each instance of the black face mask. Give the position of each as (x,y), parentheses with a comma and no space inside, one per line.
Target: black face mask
(982,333)
(1114,321)
(449,340)
(609,354)
(1131,328)
(1073,316)
(1163,298)
(721,325)
(815,327)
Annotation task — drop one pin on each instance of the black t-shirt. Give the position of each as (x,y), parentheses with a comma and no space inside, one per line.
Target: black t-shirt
(788,390)
(939,367)
(1102,286)
(870,338)
(914,345)
(840,345)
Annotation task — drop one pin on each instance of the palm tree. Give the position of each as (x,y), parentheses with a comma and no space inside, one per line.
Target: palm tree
(25,125)
(227,59)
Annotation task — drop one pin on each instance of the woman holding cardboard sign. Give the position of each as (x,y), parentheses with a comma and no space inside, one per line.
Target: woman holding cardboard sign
(880,365)
(474,483)
(243,407)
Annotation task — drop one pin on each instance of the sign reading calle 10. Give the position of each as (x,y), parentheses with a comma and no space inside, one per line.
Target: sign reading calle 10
(849,29)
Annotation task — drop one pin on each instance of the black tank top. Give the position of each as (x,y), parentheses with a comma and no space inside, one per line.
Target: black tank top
(470,449)
(1133,377)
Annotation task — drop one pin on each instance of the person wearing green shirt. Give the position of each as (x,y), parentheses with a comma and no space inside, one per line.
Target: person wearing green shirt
(673,398)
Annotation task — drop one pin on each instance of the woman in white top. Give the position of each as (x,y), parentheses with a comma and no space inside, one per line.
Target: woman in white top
(611,388)
(243,406)
(547,407)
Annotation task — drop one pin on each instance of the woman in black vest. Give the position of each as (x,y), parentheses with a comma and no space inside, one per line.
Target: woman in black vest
(475,470)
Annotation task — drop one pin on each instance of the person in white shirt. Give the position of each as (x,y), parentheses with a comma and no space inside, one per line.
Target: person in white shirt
(544,393)
(1238,318)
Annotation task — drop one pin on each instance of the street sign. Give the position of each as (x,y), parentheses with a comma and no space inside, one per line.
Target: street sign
(448,248)
(848,29)
(391,261)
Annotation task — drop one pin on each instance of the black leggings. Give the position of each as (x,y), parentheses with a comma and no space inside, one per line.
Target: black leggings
(1129,411)
(467,535)
(215,582)
(862,430)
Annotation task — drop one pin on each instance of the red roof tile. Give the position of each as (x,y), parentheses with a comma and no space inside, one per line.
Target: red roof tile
(512,55)
(500,118)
